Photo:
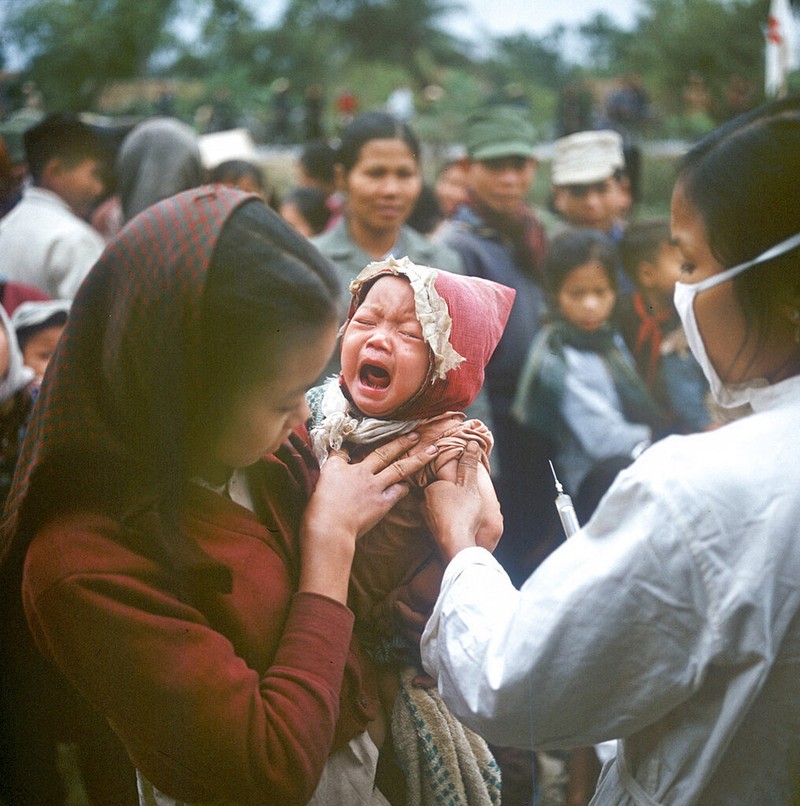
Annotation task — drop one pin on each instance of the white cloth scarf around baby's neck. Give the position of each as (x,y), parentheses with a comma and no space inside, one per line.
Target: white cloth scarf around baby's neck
(342,423)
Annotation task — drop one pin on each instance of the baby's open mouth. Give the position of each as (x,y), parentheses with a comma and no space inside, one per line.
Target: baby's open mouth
(374,376)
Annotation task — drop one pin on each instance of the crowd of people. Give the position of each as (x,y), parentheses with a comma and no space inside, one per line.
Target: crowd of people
(278,469)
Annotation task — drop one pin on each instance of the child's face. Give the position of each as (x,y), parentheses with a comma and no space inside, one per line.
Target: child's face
(79,184)
(384,356)
(661,275)
(40,347)
(451,188)
(586,297)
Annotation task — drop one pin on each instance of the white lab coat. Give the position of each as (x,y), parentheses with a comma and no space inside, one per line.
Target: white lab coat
(671,621)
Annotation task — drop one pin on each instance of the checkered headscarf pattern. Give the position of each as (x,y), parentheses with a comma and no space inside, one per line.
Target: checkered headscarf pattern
(124,369)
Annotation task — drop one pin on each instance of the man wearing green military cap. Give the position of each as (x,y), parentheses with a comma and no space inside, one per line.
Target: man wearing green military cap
(500,131)
(500,238)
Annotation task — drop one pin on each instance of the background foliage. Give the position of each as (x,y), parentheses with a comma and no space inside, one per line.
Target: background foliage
(217,64)
(75,49)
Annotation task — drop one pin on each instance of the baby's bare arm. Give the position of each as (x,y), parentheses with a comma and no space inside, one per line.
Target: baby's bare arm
(491,527)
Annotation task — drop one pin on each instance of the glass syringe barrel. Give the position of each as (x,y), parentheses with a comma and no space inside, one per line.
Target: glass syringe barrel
(566,511)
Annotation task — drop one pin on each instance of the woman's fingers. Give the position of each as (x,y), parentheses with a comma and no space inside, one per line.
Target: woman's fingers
(392,466)
(341,454)
(384,455)
(400,469)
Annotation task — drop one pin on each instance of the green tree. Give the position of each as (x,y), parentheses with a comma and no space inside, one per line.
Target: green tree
(75,47)
(714,40)
(530,59)
(401,32)
(306,45)
(606,43)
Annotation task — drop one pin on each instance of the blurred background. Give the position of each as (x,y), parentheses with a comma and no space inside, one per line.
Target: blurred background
(291,71)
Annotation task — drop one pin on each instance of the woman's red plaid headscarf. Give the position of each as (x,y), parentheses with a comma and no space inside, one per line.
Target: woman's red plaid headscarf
(119,383)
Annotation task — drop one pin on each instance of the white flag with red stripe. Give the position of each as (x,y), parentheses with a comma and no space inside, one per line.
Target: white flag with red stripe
(781,48)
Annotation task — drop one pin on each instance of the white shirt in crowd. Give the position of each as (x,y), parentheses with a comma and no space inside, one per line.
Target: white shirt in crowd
(44,244)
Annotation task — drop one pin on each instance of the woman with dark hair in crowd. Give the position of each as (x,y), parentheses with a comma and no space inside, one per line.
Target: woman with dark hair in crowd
(378,169)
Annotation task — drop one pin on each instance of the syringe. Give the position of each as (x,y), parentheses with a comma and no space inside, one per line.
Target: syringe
(566,512)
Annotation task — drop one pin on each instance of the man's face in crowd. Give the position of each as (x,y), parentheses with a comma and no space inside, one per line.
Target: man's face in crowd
(593,205)
(502,184)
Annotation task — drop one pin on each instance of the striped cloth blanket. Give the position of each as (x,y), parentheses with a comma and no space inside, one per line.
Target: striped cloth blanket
(444,762)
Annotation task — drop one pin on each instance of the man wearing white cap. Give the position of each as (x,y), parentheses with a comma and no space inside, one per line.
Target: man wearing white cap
(587,172)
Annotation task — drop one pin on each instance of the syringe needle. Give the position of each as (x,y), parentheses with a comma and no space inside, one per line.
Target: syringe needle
(559,488)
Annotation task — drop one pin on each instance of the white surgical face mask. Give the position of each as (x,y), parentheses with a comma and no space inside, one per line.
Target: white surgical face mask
(727,395)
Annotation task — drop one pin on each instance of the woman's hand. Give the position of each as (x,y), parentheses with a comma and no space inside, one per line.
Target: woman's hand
(347,502)
(454,510)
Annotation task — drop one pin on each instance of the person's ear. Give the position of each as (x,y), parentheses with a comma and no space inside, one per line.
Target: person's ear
(339,177)
(647,274)
(558,195)
(52,172)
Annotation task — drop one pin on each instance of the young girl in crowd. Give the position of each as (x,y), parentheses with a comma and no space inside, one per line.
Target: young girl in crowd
(451,186)
(413,352)
(38,327)
(178,568)
(671,620)
(579,385)
(650,325)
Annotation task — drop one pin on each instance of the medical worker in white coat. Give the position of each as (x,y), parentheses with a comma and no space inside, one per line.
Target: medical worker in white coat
(671,621)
